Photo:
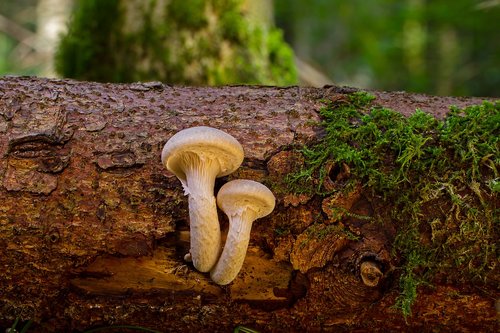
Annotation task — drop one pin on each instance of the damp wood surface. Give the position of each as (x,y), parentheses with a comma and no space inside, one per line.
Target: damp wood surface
(93,229)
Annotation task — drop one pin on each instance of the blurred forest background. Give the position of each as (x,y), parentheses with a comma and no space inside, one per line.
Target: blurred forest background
(441,47)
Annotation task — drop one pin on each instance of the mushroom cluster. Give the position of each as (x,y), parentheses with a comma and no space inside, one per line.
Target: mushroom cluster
(197,156)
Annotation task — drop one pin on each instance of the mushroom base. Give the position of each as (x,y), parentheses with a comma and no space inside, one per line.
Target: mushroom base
(235,248)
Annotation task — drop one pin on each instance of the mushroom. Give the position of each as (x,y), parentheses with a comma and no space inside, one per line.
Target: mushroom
(197,156)
(243,201)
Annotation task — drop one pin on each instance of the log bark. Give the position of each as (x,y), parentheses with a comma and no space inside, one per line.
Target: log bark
(93,229)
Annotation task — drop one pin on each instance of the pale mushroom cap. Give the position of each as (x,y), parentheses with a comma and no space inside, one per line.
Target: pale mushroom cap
(207,143)
(241,194)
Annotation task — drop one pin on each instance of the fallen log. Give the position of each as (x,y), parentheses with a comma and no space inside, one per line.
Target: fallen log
(93,229)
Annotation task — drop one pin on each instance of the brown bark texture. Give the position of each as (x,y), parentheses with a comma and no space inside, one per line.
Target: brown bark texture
(93,229)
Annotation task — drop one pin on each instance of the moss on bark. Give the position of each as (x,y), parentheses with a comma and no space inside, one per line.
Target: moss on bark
(436,181)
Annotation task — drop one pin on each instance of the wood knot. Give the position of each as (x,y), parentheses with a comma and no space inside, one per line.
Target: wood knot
(336,174)
(371,273)
(53,236)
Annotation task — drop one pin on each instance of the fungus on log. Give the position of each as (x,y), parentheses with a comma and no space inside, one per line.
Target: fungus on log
(198,155)
(243,201)
(93,229)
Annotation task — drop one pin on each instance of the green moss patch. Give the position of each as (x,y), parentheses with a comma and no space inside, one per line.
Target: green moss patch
(437,179)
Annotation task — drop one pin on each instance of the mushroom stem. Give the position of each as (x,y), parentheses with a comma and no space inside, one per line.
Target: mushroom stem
(204,223)
(197,156)
(235,248)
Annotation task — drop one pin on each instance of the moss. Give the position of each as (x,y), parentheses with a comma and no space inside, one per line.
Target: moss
(281,56)
(320,231)
(87,42)
(188,14)
(282,231)
(231,26)
(437,178)
(127,41)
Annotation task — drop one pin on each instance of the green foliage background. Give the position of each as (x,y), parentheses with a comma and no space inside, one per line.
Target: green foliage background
(184,42)
(441,47)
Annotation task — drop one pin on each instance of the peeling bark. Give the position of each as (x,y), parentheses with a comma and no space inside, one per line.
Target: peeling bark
(93,229)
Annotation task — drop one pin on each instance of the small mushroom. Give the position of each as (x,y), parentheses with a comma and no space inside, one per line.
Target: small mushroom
(243,201)
(197,156)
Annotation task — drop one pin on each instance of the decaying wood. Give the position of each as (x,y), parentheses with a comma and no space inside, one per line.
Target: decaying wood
(93,229)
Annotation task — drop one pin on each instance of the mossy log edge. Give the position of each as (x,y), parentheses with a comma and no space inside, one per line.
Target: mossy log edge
(93,228)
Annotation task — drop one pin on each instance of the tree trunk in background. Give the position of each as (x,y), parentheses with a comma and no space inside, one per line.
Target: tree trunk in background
(183,42)
(52,21)
(93,229)
(260,12)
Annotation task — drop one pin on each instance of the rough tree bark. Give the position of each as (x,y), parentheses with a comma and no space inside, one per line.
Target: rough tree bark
(93,229)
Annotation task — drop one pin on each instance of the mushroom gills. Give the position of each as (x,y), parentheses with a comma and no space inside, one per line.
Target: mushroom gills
(197,156)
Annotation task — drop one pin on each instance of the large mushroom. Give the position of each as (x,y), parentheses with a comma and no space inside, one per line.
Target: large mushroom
(197,156)
(243,201)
